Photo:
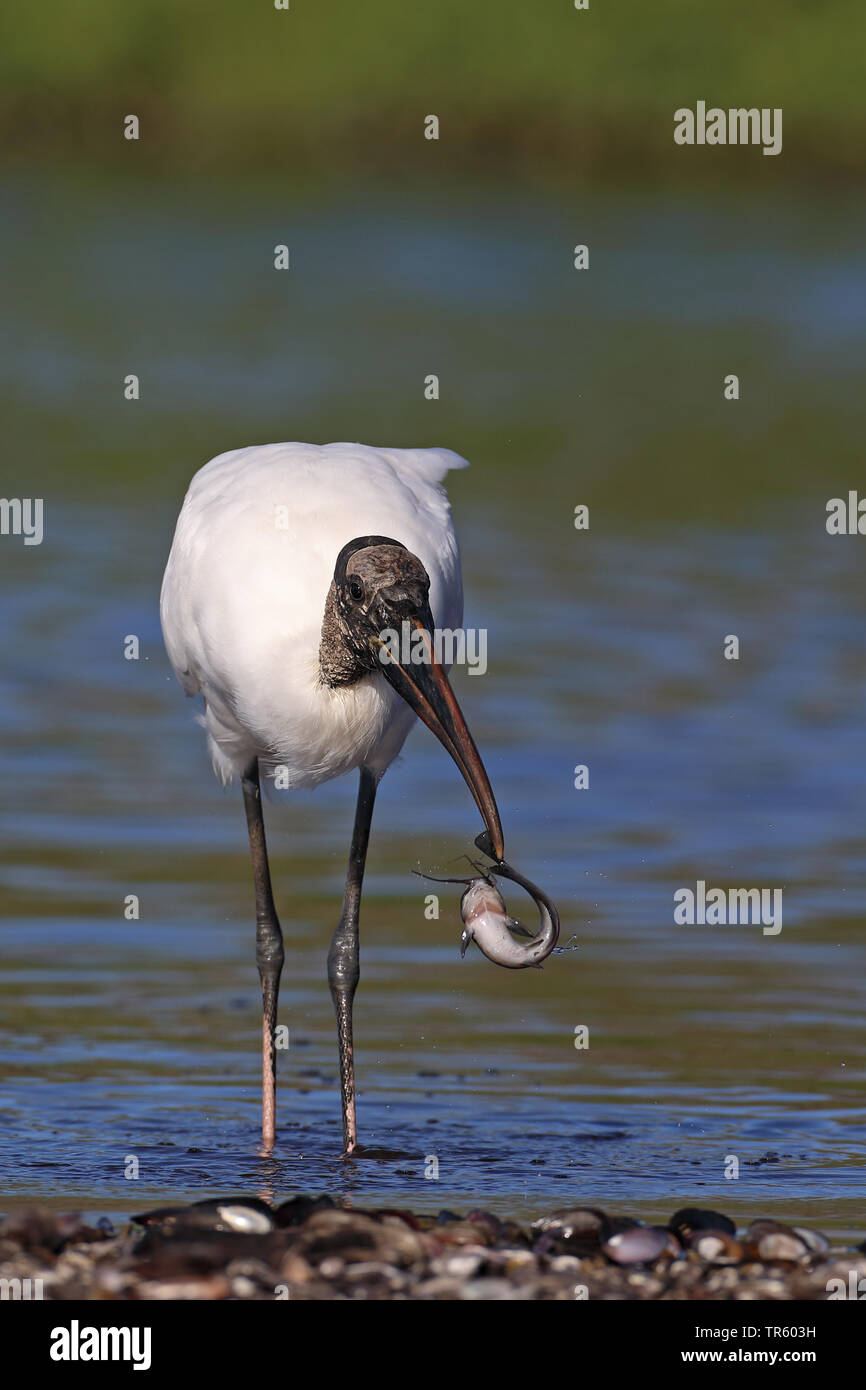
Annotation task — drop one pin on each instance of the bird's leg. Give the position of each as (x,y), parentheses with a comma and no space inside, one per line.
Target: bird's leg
(269,948)
(343,964)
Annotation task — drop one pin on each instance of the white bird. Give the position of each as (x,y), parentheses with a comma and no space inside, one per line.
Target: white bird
(289,562)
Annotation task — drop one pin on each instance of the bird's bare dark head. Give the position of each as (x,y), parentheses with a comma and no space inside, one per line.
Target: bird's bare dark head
(377,584)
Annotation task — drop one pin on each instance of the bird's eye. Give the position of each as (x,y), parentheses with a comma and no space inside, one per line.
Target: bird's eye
(356,590)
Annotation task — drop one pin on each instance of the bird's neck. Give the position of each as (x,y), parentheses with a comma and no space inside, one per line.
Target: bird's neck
(339,664)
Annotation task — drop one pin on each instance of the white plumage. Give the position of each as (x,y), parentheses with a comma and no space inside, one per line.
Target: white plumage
(244,592)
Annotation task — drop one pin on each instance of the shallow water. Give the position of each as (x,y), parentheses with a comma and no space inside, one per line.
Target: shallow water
(139,1038)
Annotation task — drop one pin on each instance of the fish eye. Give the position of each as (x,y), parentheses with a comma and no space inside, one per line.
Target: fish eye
(356,590)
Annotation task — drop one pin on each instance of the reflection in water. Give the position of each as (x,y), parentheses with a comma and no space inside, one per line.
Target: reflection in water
(139,1037)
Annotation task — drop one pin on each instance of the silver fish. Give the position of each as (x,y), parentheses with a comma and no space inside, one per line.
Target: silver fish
(487,922)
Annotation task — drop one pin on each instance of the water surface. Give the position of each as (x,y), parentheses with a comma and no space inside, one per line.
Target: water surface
(139,1038)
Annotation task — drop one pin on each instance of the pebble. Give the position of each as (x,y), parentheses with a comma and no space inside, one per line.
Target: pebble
(246,1219)
(216,1287)
(257,1271)
(716,1247)
(295,1269)
(774,1240)
(581,1223)
(376,1272)
(297,1209)
(464,1233)
(523,1260)
(463,1266)
(763,1227)
(578,1231)
(781,1245)
(484,1289)
(685,1222)
(640,1245)
(441,1287)
(512,1234)
(816,1240)
(487,1221)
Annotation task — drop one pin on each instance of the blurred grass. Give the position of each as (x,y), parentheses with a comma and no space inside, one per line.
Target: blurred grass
(334,83)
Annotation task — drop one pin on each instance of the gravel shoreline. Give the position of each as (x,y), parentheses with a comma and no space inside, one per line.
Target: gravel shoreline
(314,1248)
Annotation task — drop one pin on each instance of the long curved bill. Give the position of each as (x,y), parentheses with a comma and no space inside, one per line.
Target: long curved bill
(425,687)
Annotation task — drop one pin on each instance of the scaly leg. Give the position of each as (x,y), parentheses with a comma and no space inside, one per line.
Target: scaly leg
(343,964)
(269,949)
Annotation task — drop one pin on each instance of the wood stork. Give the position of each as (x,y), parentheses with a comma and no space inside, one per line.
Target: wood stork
(288,562)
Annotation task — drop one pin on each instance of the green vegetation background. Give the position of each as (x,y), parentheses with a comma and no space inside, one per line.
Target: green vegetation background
(331,81)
